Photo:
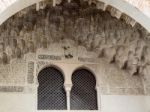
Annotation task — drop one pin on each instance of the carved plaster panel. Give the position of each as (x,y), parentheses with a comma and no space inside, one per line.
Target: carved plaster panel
(78,34)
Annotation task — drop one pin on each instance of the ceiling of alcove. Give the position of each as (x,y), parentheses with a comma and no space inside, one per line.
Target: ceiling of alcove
(92,24)
(143,5)
(136,10)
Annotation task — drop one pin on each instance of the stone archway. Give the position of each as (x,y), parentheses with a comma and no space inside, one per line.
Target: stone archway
(123,6)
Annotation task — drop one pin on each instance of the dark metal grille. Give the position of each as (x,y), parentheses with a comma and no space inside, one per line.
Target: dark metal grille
(51,94)
(83,93)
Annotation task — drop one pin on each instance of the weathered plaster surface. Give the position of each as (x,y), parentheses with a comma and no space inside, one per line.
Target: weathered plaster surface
(74,37)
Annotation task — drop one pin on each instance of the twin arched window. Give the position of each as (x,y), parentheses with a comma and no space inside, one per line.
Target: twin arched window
(52,95)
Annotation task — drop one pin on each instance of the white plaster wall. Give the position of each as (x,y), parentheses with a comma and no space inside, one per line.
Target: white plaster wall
(16,102)
(147,99)
(120,103)
(109,103)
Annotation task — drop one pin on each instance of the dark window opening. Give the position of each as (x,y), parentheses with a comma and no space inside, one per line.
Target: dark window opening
(51,93)
(83,93)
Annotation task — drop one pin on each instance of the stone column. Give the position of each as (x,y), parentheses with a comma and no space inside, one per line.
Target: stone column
(98,98)
(36,96)
(68,90)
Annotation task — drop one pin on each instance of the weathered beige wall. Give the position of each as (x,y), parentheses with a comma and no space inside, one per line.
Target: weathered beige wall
(116,53)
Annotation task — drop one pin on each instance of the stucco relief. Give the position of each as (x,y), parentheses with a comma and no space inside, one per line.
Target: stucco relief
(71,31)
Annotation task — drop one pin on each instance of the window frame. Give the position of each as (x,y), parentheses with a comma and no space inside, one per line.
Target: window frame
(67,88)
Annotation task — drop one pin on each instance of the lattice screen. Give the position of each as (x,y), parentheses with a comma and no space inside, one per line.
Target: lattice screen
(51,94)
(83,93)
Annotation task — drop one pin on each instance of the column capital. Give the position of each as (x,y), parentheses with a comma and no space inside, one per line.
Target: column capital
(68,87)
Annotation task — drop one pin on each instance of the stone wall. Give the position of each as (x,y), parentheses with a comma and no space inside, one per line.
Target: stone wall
(74,34)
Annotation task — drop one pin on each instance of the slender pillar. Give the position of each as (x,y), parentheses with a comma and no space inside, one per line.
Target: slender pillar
(36,96)
(68,90)
(98,98)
